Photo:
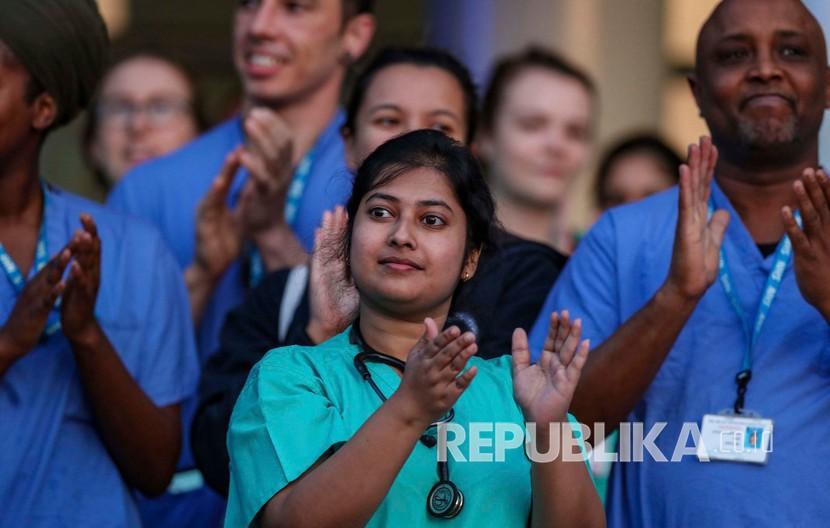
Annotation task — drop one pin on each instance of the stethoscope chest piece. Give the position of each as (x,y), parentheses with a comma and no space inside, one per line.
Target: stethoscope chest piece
(445,500)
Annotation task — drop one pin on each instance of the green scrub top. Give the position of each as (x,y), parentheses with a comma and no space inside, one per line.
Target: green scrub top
(301,402)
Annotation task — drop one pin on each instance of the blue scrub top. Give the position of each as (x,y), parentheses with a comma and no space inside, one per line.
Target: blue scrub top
(166,192)
(616,269)
(54,468)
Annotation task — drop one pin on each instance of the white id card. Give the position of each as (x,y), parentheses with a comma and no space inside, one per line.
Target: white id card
(735,438)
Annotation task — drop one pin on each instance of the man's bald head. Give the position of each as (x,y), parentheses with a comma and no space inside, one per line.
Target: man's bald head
(761,80)
(727,13)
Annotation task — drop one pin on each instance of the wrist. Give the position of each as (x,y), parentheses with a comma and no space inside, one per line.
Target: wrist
(197,274)
(89,337)
(408,413)
(673,298)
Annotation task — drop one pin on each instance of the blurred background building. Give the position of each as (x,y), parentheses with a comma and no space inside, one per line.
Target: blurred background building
(639,51)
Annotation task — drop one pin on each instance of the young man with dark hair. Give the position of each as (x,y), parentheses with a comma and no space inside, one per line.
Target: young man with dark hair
(280,165)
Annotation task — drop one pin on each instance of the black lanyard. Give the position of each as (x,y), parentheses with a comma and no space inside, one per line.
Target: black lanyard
(444,500)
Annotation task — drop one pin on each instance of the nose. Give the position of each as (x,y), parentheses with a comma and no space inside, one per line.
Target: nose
(138,121)
(766,66)
(265,20)
(555,139)
(401,235)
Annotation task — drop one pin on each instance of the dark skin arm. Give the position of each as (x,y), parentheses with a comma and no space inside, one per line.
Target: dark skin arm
(143,439)
(618,372)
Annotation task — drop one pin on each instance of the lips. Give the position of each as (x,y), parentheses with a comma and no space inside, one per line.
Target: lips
(400,264)
(263,64)
(767,98)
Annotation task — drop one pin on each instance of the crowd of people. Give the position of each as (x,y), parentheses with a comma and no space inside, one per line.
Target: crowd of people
(277,320)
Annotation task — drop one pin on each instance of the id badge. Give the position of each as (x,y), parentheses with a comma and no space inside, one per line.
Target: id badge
(735,438)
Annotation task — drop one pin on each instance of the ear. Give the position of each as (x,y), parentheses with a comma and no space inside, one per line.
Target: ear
(827,87)
(349,144)
(44,112)
(357,35)
(694,86)
(471,265)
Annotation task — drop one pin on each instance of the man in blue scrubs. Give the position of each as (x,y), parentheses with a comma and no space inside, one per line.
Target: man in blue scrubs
(291,58)
(96,351)
(685,336)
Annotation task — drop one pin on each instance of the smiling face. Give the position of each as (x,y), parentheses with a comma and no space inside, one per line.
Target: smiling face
(286,49)
(540,138)
(145,110)
(402,98)
(407,251)
(761,79)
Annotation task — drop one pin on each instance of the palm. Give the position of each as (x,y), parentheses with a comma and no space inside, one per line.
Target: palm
(544,390)
(698,238)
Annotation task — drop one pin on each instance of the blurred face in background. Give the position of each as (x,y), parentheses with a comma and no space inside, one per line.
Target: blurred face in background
(402,98)
(634,176)
(145,110)
(541,137)
(285,50)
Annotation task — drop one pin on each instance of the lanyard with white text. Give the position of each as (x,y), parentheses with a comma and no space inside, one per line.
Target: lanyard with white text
(782,257)
(14,274)
(299,180)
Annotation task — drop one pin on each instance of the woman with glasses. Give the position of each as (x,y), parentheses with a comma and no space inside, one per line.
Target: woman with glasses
(345,433)
(147,106)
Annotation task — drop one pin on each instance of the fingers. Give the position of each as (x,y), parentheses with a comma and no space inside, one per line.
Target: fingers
(570,343)
(685,193)
(220,188)
(800,242)
(718,224)
(553,326)
(465,343)
(694,173)
(574,369)
(55,268)
(815,212)
(269,139)
(711,153)
(437,341)
(521,351)
(460,383)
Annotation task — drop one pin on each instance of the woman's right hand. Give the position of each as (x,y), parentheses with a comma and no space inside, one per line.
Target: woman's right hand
(431,382)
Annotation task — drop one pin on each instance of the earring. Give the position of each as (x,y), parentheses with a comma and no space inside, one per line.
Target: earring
(465,277)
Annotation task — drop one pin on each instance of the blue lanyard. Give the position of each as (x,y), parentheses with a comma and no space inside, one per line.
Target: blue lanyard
(783,252)
(15,276)
(292,206)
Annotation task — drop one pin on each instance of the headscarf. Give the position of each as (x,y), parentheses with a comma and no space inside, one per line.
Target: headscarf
(62,43)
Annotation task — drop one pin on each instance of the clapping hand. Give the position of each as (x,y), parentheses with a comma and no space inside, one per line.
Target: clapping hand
(698,238)
(544,390)
(811,245)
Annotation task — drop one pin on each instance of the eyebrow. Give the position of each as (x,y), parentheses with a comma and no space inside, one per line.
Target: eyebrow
(391,106)
(742,37)
(433,202)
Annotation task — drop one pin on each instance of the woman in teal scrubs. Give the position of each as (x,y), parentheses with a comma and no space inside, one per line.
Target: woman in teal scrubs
(340,434)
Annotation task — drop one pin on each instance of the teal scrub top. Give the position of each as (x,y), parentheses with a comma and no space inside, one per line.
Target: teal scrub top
(300,402)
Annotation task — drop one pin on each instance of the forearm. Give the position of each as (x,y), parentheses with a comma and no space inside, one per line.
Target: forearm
(358,475)
(279,247)
(143,440)
(563,493)
(618,372)
(9,354)
(199,289)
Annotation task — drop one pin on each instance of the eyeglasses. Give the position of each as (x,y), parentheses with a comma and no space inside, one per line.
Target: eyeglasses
(158,112)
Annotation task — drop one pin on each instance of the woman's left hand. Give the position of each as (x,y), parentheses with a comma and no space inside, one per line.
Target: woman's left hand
(544,390)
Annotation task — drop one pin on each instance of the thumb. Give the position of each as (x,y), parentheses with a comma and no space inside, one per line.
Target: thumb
(718,224)
(521,352)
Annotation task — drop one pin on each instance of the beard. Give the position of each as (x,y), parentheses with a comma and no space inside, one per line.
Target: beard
(768,132)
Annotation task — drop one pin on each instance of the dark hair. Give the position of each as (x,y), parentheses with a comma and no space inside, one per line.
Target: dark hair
(352,8)
(643,143)
(91,124)
(509,67)
(426,57)
(428,149)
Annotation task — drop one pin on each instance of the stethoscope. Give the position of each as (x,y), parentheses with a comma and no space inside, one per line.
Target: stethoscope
(444,500)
